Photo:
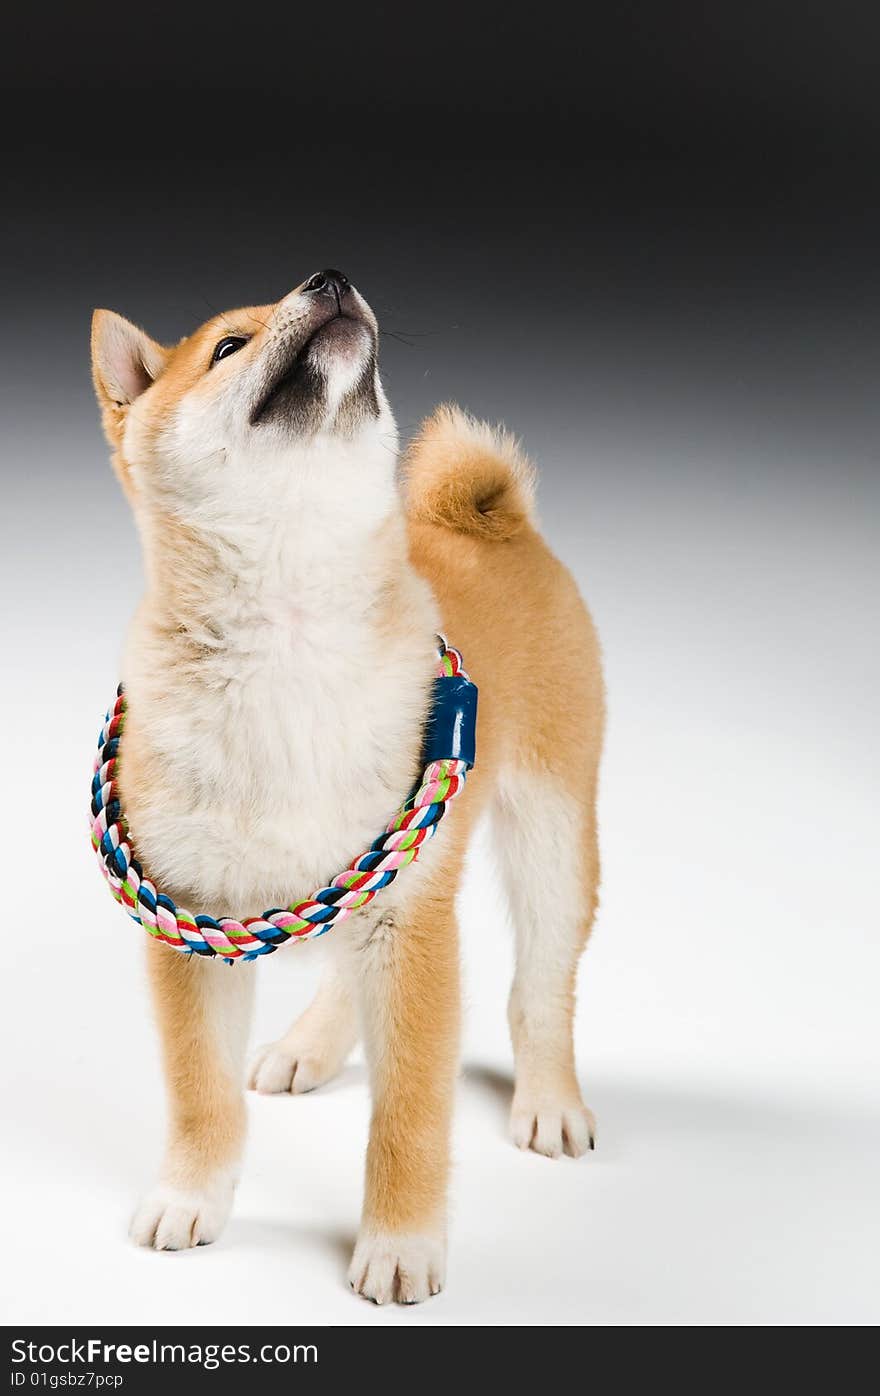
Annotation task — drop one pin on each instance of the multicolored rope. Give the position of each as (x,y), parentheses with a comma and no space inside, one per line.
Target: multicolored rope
(450,730)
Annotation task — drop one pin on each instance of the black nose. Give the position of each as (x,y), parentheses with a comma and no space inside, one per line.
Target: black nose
(329,282)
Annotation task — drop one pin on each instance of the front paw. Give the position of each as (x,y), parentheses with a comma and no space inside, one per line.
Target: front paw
(390,1267)
(174,1219)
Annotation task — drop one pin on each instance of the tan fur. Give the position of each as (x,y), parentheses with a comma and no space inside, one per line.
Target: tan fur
(207,1116)
(530,643)
(531,649)
(412,1066)
(465,550)
(464,476)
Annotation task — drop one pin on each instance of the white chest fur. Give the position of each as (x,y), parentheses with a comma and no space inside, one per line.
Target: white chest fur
(281,732)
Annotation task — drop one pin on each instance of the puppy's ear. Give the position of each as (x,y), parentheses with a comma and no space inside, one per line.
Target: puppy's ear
(125,361)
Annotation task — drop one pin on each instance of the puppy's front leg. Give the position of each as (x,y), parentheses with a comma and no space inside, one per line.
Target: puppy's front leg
(409,997)
(203,1011)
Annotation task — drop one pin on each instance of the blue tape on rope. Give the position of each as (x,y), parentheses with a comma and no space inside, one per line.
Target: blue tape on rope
(451,729)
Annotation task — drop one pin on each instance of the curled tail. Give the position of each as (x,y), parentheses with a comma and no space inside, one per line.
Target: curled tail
(469,477)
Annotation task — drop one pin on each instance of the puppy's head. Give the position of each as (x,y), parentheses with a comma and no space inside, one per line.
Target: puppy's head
(238,414)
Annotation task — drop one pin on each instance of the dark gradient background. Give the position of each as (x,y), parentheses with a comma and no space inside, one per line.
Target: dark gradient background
(649,244)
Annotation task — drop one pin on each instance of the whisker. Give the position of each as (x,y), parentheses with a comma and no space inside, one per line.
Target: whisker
(390,334)
(217,314)
(221,316)
(257,321)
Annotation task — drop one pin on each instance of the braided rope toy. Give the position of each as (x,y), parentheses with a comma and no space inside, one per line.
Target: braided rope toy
(448,755)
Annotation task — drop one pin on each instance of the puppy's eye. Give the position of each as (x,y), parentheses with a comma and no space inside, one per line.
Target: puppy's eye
(230,345)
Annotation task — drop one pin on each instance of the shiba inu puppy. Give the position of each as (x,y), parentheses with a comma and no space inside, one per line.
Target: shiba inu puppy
(278,675)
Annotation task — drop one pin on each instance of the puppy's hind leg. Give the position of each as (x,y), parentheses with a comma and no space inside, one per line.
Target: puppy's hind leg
(315,1046)
(546,844)
(203,1012)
